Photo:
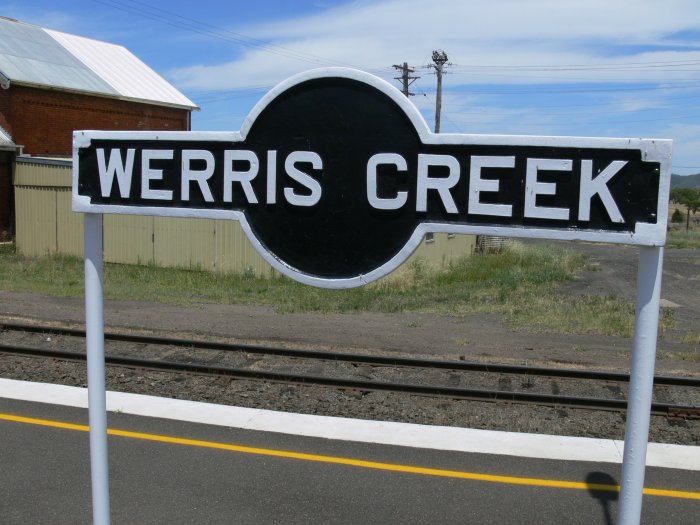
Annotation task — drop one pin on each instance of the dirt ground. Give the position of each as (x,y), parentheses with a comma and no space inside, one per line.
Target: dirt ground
(613,271)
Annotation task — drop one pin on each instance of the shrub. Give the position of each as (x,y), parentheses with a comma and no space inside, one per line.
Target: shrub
(677,216)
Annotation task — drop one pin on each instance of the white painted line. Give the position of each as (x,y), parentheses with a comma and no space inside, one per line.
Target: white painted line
(383,432)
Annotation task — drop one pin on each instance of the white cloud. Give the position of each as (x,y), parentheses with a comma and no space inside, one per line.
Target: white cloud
(509,20)
(374,35)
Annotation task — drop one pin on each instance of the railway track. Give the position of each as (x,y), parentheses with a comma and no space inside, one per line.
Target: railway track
(368,373)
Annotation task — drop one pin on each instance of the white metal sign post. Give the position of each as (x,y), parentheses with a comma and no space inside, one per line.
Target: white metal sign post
(97,402)
(335,178)
(641,384)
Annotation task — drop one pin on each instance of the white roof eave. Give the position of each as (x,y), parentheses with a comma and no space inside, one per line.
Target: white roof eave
(161,103)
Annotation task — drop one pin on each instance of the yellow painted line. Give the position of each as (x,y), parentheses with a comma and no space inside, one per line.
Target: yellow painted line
(392,467)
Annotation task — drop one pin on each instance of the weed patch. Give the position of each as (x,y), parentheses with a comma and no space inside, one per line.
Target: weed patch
(683,239)
(520,284)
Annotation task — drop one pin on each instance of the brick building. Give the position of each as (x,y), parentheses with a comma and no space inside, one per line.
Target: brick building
(7,152)
(52,83)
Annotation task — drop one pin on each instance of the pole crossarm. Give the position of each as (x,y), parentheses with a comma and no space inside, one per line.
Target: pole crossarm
(406,78)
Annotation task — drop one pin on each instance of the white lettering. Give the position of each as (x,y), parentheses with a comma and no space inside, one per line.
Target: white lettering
(243,177)
(303,178)
(598,186)
(123,172)
(442,184)
(477,185)
(149,174)
(533,188)
(272,177)
(375,201)
(199,176)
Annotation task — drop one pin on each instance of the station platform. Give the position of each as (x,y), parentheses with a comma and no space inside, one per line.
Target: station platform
(182,462)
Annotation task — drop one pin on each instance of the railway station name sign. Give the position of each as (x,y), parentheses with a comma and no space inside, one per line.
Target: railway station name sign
(335,178)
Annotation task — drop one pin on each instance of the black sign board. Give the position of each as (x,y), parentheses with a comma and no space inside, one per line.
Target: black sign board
(336,178)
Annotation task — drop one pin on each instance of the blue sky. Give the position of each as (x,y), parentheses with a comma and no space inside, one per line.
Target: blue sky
(623,68)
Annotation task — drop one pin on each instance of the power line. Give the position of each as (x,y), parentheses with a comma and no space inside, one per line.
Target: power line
(202,28)
(582,67)
(445,116)
(559,91)
(190,24)
(217,96)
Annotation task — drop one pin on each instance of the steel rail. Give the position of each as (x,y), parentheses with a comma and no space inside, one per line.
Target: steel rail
(361,359)
(664,409)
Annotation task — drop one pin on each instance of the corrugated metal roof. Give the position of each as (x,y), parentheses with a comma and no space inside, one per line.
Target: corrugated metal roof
(117,66)
(33,55)
(28,54)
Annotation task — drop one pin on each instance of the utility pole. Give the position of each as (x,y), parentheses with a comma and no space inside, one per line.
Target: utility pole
(439,61)
(406,79)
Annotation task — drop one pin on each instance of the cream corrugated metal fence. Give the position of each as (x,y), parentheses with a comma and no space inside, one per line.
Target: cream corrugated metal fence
(46,224)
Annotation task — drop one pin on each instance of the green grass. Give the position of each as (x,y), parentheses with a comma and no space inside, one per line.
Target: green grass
(56,275)
(519,284)
(683,239)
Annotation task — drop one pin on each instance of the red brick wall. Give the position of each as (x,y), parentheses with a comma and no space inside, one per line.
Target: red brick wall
(43,120)
(4,106)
